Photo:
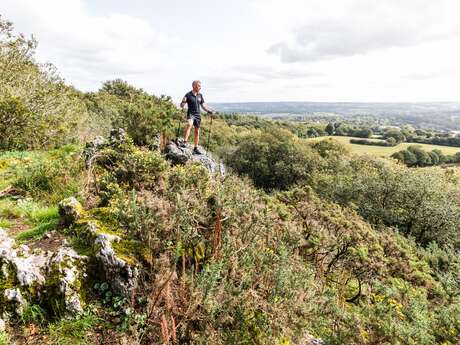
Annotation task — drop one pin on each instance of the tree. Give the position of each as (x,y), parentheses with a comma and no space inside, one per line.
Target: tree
(330,128)
(274,160)
(363,133)
(312,133)
(55,112)
(394,133)
(422,157)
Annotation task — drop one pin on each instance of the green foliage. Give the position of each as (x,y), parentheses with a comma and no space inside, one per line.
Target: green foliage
(38,231)
(143,116)
(4,338)
(13,121)
(33,313)
(52,177)
(9,209)
(5,223)
(73,331)
(255,157)
(41,218)
(414,155)
(420,202)
(130,167)
(37,110)
(394,133)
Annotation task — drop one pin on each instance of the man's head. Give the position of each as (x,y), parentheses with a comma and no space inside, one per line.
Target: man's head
(196,86)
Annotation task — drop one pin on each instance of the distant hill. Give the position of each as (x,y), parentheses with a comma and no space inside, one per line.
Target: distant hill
(436,115)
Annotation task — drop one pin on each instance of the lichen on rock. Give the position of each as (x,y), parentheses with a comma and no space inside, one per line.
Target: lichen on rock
(15,297)
(53,280)
(65,272)
(115,267)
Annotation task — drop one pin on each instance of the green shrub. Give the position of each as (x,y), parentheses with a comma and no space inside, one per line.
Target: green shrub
(33,313)
(53,177)
(143,116)
(274,160)
(4,338)
(37,109)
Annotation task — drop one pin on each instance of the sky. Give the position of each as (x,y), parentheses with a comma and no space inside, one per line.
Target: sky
(253,50)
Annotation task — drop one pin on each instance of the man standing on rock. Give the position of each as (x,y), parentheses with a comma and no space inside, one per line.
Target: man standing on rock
(194,100)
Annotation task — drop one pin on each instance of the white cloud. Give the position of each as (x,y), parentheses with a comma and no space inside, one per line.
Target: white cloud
(361,27)
(87,48)
(321,50)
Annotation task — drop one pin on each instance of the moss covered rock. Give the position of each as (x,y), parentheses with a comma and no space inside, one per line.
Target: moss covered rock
(70,210)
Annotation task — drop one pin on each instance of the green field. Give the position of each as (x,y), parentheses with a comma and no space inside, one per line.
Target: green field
(382,150)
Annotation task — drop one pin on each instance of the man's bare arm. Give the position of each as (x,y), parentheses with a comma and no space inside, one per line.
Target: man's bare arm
(205,108)
(182,104)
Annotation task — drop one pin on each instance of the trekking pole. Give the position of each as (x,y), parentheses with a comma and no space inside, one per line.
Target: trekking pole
(178,127)
(209,133)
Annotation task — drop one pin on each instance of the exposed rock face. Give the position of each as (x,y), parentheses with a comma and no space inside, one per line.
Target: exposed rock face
(92,147)
(177,154)
(122,276)
(15,297)
(66,269)
(39,277)
(117,137)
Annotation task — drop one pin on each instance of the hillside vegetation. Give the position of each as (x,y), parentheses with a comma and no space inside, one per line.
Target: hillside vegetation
(300,242)
(385,151)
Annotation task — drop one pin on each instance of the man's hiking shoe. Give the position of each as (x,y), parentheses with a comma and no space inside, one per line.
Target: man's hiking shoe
(183,145)
(197,151)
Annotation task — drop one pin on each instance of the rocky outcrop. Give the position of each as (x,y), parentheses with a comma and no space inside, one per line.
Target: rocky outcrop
(49,279)
(173,151)
(55,280)
(177,154)
(116,138)
(118,270)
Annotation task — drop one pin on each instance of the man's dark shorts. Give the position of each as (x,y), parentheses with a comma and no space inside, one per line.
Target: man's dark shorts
(196,120)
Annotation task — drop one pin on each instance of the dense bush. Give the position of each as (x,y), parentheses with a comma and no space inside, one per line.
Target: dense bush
(274,159)
(143,116)
(421,203)
(284,264)
(414,155)
(389,142)
(449,140)
(49,176)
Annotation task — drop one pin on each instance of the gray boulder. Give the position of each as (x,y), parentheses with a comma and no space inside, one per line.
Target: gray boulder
(92,147)
(177,154)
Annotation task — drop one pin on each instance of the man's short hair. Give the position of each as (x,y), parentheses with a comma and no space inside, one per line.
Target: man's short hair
(195,82)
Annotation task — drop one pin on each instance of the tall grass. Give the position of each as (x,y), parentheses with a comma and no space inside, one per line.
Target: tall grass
(72,331)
